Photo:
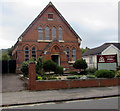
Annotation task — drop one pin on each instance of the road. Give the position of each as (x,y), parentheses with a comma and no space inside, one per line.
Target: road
(104,103)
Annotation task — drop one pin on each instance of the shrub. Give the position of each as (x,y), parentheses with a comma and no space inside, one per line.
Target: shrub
(91,70)
(74,72)
(104,74)
(38,77)
(80,64)
(49,65)
(118,68)
(59,70)
(24,68)
(49,77)
(117,74)
(39,65)
(91,76)
(83,73)
(52,78)
(72,77)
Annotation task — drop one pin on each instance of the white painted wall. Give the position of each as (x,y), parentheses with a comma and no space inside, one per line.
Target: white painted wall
(91,61)
(108,51)
(112,50)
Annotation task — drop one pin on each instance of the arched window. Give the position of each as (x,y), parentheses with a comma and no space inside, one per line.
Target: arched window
(47,33)
(68,53)
(26,54)
(40,33)
(34,53)
(53,33)
(73,54)
(60,33)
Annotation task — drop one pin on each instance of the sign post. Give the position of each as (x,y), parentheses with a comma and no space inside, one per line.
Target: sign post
(108,62)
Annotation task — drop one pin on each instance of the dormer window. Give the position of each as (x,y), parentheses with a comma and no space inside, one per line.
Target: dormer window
(50,16)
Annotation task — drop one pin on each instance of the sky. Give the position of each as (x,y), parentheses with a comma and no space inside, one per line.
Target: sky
(95,21)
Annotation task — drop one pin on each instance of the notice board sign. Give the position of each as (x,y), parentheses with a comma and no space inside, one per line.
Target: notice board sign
(108,62)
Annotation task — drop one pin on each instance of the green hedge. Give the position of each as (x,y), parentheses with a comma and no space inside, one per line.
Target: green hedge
(104,74)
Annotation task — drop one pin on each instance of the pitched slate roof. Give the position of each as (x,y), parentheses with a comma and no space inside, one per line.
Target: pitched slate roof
(98,50)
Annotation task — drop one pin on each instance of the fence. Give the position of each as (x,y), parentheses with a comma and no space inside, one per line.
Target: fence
(8,66)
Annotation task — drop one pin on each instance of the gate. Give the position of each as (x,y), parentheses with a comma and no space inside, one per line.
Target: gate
(8,66)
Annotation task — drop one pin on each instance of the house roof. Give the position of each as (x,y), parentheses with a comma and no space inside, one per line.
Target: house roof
(98,50)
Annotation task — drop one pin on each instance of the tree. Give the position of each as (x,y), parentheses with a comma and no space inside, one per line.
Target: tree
(49,65)
(84,50)
(5,56)
(80,64)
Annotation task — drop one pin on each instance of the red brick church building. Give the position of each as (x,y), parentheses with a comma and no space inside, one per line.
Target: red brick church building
(49,36)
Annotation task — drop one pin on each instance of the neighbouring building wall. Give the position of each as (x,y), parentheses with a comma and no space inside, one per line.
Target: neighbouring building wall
(112,50)
(91,61)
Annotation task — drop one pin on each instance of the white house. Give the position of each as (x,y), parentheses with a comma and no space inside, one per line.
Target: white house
(106,49)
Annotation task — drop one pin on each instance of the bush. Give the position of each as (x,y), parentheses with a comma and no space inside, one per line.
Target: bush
(91,76)
(59,70)
(49,77)
(24,68)
(91,70)
(118,68)
(49,65)
(38,77)
(117,74)
(39,65)
(104,74)
(83,72)
(74,72)
(80,64)
(72,77)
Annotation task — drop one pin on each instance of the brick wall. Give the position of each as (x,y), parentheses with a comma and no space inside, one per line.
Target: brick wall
(63,84)
(30,39)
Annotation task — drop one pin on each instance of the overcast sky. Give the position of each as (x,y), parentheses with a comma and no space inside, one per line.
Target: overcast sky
(95,21)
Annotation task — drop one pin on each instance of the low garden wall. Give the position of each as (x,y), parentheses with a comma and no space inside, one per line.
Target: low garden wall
(34,84)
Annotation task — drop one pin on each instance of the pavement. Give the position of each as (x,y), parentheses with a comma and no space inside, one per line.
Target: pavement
(14,93)
(33,97)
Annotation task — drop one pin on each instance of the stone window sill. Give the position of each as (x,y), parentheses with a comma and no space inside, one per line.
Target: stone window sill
(44,40)
(48,40)
(71,62)
(61,40)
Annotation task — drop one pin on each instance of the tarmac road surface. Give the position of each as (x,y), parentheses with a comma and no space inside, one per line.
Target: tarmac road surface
(103,103)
